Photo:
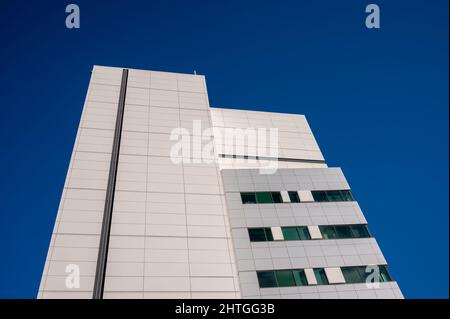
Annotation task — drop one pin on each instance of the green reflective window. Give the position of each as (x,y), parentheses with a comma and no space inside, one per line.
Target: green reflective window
(248,198)
(260,234)
(266,279)
(303,233)
(321,277)
(295,233)
(300,277)
(264,198)
(285,278)
(328,232)
(276,196)
(359,231)
(290,233)
(293,196)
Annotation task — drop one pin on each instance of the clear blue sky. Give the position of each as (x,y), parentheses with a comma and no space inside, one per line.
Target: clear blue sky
(377,101)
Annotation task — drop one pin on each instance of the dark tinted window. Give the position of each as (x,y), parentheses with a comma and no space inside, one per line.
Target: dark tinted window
(303,233)
(248,198)
(343,231)
(300,278)
(328,232)
(319,196)
(360,231)
(347,196)
(269,235)
(293,196)
(352,275)
(266,279)
(260,234)
(321,277)
(276,196)
(257,234)
(359,274)
(332,196)
(384,274)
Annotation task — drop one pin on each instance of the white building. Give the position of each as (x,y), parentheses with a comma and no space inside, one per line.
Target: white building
(138,220)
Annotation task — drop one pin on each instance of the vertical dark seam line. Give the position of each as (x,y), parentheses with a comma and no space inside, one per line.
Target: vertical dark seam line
(100,272)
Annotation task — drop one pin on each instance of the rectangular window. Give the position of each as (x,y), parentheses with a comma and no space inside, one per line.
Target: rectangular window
(344,231)
(266,279)
(384,274)
(260,234)
(293,196)
(297,277)
(328,232)
(332,196)
(282,278)
(285,278)
(358,274)
(276,196)
(360,231)
(319,196)
(296,233)
(248,198)
(290,233)
(352,275)
(261,198)
(321,277)
(300,277)
(347,196)
(264,198)
(303,233)
(269,235)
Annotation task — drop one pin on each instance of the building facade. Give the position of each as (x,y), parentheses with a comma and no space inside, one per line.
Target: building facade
(158,202)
